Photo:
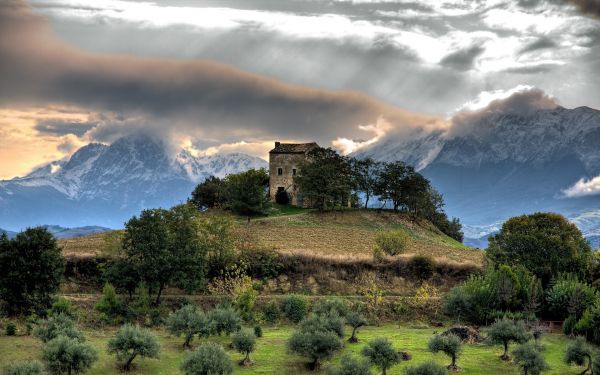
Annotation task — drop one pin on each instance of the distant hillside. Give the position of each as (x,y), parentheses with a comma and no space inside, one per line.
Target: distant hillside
(8,233)
(346,234)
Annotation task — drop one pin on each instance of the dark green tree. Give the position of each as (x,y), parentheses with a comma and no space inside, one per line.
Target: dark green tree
(381,353)
(123,275)
(246,192)
(449,345)
(504,331)
(529,359)
(294,308)
(31,268)
(209,194)
(130,342)
(524,240)
(391,183)
(65,355)
(208,359)
(365,177)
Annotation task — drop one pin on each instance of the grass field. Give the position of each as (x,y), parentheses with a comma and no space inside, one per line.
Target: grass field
(271,356)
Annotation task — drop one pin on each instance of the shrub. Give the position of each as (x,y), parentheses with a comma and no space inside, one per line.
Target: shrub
(380,353)
(261,262)
(392,242)
(188,321)
(294,308)
(109,306)
(527,357)
(208,359)
(317,338)
(62,306)
(505,331)
(11,329)
(349,365)
(245,302)
(457,304)
(569,325)
(569,296)
(131,341)
(331,306)
(244,341)
(67,355)
(224,320)
(427,368)
(271,312)
(24,368)
(421,266)
(449,345)
(355,320)
(54,326)
(580,353)
(258,332)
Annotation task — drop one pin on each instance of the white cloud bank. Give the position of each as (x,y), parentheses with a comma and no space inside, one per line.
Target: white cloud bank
(583,188)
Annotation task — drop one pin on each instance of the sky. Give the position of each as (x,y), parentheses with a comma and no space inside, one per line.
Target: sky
(236,75)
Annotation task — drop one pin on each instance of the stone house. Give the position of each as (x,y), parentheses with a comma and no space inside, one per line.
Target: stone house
(284,161)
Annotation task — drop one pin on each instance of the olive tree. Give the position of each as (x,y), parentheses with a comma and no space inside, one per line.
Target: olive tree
(224,320)
(208,359)
(24,368)
(57,325)
(331,305)
(381,353)
(244,341)
(580,353)
(427,368)
(355,320)
(529,359)
(65,355)
(504,331)
(130,342)
(350,365)
(317,338)
(449,345)
(188,321)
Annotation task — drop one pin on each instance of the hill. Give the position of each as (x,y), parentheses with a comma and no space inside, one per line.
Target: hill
(331,234)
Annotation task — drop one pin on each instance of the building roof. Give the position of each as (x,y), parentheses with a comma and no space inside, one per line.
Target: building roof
(293,148)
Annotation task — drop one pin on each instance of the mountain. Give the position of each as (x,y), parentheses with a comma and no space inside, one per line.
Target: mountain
(10,234)
(505,163)
(106,184)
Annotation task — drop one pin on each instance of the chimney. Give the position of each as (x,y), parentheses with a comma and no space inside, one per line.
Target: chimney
(277,144)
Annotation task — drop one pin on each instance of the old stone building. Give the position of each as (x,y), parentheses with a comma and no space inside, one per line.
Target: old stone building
(284,161)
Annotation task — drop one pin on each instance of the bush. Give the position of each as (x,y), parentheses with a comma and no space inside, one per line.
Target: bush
(569,325)
(317,338)
(244,341)
(331,306)
(24,368)
(449,345)
(208,359)
(580,353)
(421,266)
(589,324)
(505,331)
(427,368)
(62,306)
(11,329)
(527,357)
(109,306)
(294,308)
(188,321)
(261,262)
(569,296)
(380,353)
(67,355)
(349,365)
(258,332)
(271,312)
(392,242)
(355,320)
(224,320)
(457,303)
(54,326)
(131,341)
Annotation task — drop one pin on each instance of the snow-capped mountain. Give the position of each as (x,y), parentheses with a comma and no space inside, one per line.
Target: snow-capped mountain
(500,164)
(105,185)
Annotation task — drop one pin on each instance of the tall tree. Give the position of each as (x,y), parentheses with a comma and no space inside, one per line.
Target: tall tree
(31,268)
(365,176)
(246,192)
(210,193)
(391,182)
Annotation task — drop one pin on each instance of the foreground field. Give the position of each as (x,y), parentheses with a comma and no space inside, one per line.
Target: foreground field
(271,356)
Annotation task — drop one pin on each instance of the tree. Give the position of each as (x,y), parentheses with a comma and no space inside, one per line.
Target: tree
(66,355)
(504,331)
(580,353)
(57,325)
(427,368)
(224,320)
(524,240)
(325,179)
(217,237)
(31,268)
(246,192)
(449,345)
(123,275)
(130,342)
(209,194)
(392,242)
(529,359)
(329,306)
(317,338)
(457,303)
(244,341)
(294,308)
(364,175)
(349,365)
(381,354)
(208,359)
(188,321)
(24,368)
(355,320)
(109,305)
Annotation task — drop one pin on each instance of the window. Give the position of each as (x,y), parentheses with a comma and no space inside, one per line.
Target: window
(294,172)
(280,189)
(279,171)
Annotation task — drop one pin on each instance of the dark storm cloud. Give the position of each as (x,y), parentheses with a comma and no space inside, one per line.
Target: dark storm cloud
(60,127)
(462,59)
(164,95)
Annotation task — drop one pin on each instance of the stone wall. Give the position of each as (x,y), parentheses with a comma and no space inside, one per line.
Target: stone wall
(288,162)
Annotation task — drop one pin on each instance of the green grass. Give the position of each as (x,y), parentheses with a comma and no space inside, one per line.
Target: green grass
(271,356)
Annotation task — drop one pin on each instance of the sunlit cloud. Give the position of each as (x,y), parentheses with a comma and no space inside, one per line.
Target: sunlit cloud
(379,130)
(583,188)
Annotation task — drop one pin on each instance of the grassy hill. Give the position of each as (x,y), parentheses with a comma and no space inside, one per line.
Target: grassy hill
(337,234)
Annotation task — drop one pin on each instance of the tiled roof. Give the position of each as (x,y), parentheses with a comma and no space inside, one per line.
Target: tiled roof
(292,148)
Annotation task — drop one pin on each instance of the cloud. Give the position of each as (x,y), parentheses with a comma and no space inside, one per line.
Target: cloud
(463,59)
(348,146)
(60,127)
(589,7)
(583,188)
(541,43)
